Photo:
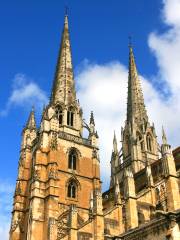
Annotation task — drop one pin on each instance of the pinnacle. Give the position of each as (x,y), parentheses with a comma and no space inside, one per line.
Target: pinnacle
(164,138)
(115,148)
(92,118)
(31,123)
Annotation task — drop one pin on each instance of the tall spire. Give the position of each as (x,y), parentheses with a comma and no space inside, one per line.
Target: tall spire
(64,87)
(115,148)
(135,106)
(31,123)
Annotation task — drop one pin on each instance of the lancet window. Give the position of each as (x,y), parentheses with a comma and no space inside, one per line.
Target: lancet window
(59,115)
(72,190)
(149,143)
(72,160)
(70,117)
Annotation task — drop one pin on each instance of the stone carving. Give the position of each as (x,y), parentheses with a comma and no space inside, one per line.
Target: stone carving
(62,225)
(54,144)
(75,139)
(53,173)
(36,175)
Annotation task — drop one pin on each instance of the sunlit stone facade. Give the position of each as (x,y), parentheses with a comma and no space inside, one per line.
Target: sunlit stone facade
(58,190)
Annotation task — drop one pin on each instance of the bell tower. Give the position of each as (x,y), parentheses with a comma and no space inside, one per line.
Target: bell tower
(61,168)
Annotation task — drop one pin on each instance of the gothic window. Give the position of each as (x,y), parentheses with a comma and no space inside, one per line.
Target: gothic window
(149,143)
(71,191)
(59,115)
(139,140)
(72,160)
(70,117)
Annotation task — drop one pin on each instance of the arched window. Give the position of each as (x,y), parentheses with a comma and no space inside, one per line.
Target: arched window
(70,117)
(139,139)
(71,191)
(149,143)
(72,160)
(59,115)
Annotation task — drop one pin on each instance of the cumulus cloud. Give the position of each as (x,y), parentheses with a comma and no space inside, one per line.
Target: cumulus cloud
(103,88)
(6,198)
(166,47)
(24,93)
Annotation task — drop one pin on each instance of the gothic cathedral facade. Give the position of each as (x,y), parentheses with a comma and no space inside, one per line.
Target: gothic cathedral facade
(58,189)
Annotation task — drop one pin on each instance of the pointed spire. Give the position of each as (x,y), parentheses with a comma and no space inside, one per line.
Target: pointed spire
(92,118)
(64,87)
(31,123)
(115,148)
(164,138)
(135,106)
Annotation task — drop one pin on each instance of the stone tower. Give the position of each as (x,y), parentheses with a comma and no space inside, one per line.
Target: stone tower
(138,136)
(58,169)
(146,171)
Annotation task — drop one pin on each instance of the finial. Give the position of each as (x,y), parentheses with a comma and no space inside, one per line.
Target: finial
(92,118)
(130,41)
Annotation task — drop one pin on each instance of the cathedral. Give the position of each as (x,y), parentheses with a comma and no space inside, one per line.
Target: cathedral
(58,193)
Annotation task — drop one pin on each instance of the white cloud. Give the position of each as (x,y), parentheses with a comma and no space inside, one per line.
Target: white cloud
(171,14)
(166,47)
(103,89)
(6,198)
(24,93)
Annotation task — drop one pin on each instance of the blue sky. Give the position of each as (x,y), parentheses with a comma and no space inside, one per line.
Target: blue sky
(99,30)
(30,38)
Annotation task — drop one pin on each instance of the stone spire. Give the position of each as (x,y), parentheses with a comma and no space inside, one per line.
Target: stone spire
(135,106)
(115,148)
(31,122)
(63,90)
(164,138)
